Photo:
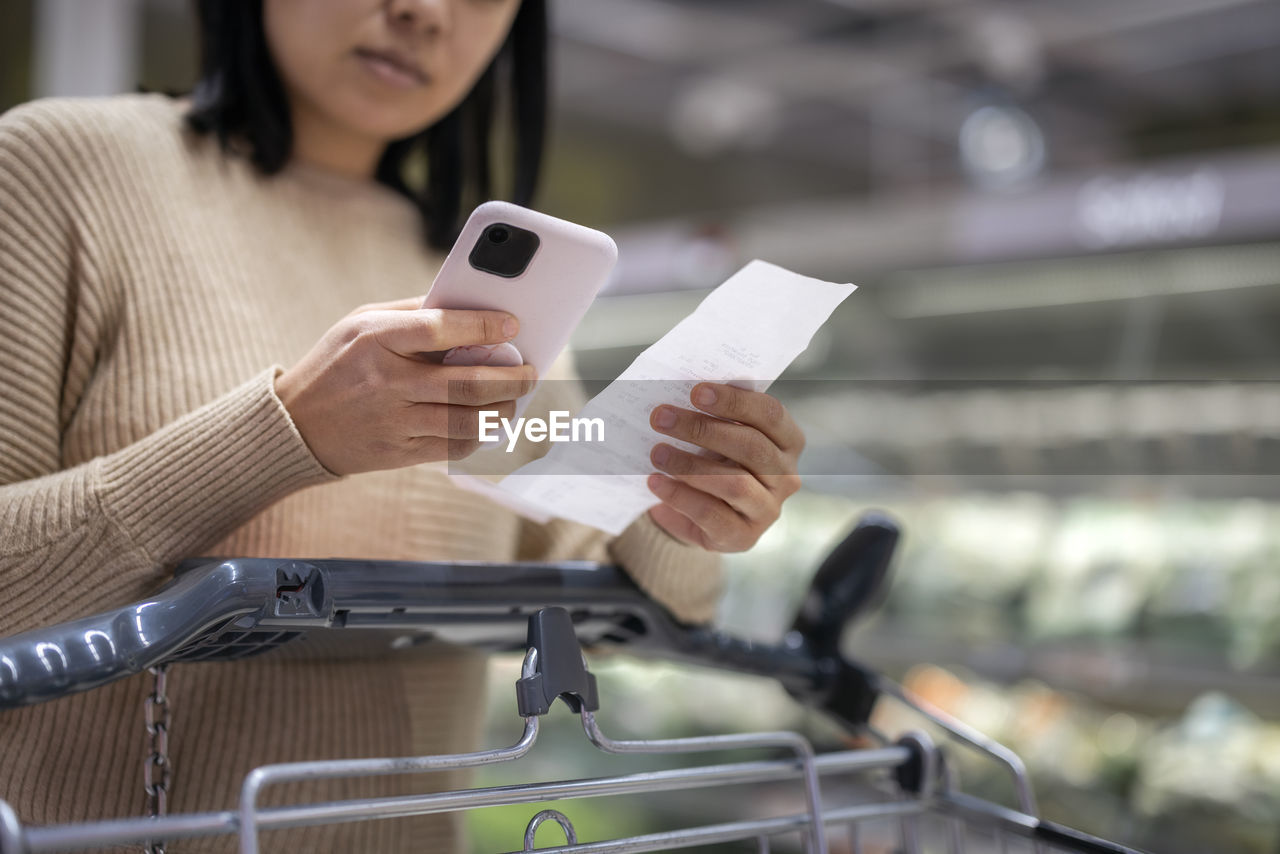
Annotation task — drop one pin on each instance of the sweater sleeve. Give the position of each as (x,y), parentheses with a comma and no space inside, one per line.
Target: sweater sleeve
(75,538)
(687,580)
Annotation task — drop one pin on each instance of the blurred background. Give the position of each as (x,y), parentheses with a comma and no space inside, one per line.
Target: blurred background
(1065,221)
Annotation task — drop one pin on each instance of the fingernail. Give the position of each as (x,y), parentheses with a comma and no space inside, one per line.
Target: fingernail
(704,396)
(657,484)
(665,418)
(661,454)
(510,327)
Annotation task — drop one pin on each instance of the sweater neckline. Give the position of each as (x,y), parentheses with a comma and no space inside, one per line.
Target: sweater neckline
(308,175)
(335,183)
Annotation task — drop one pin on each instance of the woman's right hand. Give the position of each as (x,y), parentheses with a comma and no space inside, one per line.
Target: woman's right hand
(369,397)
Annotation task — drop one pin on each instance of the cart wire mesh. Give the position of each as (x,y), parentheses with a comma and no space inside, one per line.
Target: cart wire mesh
(900,795)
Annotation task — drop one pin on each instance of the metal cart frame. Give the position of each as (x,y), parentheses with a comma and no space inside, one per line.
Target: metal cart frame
(229,609)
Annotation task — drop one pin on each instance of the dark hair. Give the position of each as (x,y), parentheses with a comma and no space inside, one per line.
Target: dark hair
(240,99)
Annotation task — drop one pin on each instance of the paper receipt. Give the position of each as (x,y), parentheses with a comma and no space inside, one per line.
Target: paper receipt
(745,332)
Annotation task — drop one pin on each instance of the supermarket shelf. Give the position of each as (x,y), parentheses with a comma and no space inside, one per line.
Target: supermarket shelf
(1123,674)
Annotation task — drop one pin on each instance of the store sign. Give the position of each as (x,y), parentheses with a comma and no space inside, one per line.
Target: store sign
(1229,199)
(1149,208)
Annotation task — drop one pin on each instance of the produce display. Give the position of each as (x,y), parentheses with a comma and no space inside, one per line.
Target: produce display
(1127,649)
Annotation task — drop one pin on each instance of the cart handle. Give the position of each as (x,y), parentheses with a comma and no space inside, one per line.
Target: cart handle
(227,609)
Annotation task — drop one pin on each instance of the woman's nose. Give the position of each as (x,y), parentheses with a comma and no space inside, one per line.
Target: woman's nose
(432,17)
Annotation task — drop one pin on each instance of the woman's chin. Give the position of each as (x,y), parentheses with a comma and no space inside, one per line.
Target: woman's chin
(388,128)
(385,119)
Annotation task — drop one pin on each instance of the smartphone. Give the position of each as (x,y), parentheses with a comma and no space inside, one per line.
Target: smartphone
(544,270)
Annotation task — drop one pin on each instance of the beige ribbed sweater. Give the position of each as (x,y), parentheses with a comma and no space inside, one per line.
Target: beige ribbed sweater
(150,288)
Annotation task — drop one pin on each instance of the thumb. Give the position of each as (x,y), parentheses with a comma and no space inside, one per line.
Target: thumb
(427,331)
(405,304)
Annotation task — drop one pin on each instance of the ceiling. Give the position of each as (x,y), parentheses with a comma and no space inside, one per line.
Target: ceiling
(755,101)
(825,135)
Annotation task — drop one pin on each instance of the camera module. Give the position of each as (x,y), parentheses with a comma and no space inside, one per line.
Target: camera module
(504,250)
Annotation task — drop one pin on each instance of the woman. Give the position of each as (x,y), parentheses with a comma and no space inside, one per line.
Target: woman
(160,261)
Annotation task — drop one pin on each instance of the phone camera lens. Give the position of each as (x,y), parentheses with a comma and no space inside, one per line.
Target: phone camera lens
(503,249)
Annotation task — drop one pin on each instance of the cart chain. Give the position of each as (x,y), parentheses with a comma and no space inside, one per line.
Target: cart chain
(157,763)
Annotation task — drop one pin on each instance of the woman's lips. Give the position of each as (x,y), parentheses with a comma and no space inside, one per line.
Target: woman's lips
(392,68)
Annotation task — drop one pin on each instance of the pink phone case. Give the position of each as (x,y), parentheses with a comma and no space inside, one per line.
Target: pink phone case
(571,264)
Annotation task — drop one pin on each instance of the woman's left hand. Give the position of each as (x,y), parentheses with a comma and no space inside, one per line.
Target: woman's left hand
(725,500)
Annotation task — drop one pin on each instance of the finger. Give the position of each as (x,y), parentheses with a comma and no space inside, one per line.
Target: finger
(678,525)
(481,385)
(723,528)
(406,304)
(454,422)
(427,330)
(753,408)
(428,448)
(730,483)
(738,443)
(434,448)
(460,449)
(462,385)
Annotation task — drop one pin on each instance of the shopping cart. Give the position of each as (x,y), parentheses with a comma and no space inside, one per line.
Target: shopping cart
(231,609)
